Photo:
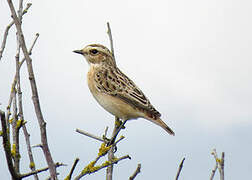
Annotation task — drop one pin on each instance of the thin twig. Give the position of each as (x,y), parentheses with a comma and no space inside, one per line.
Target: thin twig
(105,132)
(37,146)
(40,170)
(180,168)
(118,140)
(35,96)
(7,31)
(111,41)
(30,50)
(137,171)
(213,171)
(89,135)
(69,176)
(28,146)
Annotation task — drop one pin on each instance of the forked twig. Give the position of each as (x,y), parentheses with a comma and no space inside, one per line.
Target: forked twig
(7,31)
(219,165)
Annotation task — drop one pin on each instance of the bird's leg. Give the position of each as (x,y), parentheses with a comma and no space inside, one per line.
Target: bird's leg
(116,131)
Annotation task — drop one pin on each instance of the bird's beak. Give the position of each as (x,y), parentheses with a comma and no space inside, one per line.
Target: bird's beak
(78,51)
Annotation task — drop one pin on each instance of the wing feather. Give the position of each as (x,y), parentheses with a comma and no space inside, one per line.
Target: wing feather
(115,83)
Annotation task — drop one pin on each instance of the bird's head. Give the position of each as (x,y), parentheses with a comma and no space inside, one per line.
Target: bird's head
(97,54)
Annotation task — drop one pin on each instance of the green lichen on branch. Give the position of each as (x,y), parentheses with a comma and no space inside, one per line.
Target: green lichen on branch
(19,123)
(118,123)
(103,149)
(10,121)
(13,150)
(89,168)
(67,178)
(32,165)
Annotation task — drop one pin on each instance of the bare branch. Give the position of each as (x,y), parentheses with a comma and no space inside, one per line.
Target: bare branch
(106,131)
(111,40)
(40,170)
(21,115)
(7,31)
(109,171)
(69,176)
(213,171)
(28,146)
(30,50)
(37,146)
(219,164)
(137,171)
(89,135)
(221,170)
(180,168)
(35,96)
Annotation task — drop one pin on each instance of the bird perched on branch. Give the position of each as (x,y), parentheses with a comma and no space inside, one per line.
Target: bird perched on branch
(114,91)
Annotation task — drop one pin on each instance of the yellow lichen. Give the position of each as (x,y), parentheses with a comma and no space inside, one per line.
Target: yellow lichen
(11,120)
(13,150)
(32,165)
(218,160)
(106,163)
(89,168)
(67,178)
(19,123)
(103,149)
(114,158)
(118,123)
(1,133)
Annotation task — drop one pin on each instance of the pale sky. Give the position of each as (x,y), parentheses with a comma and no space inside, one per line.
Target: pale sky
(192,59)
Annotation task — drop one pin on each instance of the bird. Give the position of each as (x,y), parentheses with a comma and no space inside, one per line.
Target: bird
(114,91)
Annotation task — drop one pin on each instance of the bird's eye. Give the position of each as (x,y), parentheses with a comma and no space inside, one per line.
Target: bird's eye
(93,51)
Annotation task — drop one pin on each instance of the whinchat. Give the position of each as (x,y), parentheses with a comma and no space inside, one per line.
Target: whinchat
(114,91)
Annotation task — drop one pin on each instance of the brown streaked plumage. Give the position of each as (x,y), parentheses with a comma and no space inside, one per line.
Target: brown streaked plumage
(114,91)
